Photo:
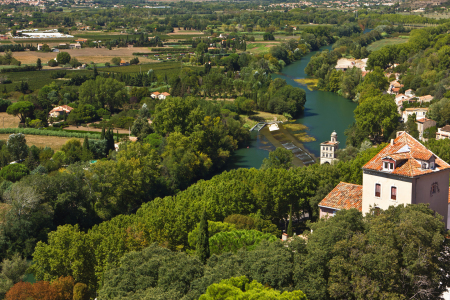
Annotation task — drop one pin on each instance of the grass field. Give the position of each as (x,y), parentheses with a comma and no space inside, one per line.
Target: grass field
(85,55)
(386,42)
(159,68)
(53,142)
(259,48)
(37,79)
(8,121)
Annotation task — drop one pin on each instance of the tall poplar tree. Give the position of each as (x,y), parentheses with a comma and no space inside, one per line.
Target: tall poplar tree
(289,229)
(203,239)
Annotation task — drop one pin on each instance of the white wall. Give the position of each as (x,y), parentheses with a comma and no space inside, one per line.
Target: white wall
(404,190)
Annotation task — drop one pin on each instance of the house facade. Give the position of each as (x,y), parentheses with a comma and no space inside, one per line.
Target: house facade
(404,172)
(443,133)
(420,112)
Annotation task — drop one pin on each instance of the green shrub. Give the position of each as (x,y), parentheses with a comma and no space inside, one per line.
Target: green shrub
(61,133)
(80,292)
(14,172)
(4,104)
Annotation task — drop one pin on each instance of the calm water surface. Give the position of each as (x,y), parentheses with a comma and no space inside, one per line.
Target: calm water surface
(324,112)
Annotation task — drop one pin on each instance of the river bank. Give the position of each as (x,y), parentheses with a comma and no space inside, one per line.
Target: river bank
(324,113)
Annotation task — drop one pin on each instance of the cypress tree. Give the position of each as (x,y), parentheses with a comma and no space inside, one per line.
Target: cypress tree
(203,239)
(86,143)
(86,153)
(289,230)
(103,133)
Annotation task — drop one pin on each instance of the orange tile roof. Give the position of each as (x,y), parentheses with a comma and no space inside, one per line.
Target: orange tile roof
(344,196)
(407,151)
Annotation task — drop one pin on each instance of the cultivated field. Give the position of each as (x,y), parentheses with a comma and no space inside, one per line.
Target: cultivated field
(8,121)
(177,31)
(54,142)
(258,48)
(386,42)
(85,55)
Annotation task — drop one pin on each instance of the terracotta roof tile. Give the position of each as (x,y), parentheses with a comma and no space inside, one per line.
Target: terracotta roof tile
(408,149)
(344,196)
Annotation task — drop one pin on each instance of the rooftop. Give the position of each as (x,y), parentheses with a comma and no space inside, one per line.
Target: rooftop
(445,128)
(407,153)
(344,196)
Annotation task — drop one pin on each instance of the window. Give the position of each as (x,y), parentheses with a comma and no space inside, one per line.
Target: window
(432,165)
(386,164)
(377,190)
(424,165)
(393,193)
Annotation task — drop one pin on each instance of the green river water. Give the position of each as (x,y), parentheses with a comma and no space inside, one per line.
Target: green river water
(324,112)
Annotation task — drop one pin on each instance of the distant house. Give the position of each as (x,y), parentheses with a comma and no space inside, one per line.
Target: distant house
(422,125)
(163,96)
(410,93)
(155,95)
(81,40)
(426,98)
(420,112)
(400,98)
(443,133)
(75,46)
(60,110)
(124,63)
(40,47)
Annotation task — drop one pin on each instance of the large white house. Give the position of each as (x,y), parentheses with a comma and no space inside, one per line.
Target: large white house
(404,172)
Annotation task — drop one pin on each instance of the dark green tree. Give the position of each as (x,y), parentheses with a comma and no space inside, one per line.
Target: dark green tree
(290,232)
(203,239)
(39,64)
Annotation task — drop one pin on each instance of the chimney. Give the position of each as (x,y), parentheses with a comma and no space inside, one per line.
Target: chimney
(392,142)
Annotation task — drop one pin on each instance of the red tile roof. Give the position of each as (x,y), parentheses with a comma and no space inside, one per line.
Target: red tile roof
(406,150)
(344,196)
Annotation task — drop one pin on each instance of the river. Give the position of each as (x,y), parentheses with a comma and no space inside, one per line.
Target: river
(324,112)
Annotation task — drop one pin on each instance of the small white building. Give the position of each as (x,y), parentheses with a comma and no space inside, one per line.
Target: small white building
(328,150)
(163,95)
(410,93)
(443,133)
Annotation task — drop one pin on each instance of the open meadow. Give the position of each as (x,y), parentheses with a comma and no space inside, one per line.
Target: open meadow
(85,55)
(387,42)
(8,121)
(41,141)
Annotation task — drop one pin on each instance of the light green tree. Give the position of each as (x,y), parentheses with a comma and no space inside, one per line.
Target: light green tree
(280,159)
(22,109)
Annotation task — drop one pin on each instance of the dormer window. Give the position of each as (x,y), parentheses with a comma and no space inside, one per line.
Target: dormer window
(388,165)
(432,166)
(424,165)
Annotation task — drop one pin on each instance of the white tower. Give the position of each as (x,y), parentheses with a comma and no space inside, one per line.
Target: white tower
(328,149)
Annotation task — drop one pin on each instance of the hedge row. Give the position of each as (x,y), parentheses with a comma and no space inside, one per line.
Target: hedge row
(174,50)
(33,131)
(19,69)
